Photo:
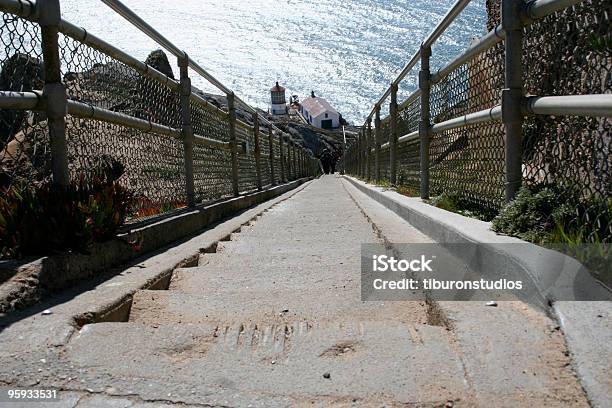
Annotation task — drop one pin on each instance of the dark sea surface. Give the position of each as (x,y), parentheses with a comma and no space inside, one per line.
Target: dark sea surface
(346,51)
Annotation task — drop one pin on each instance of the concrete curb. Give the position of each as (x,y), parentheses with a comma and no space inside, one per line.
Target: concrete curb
(32,278)
(555,276)
(586,325)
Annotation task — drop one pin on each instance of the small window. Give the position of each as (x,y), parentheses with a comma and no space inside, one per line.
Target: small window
(326,116)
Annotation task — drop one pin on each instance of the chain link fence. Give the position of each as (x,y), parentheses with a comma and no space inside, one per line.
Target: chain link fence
(24,142)
(121,108)
(566,51)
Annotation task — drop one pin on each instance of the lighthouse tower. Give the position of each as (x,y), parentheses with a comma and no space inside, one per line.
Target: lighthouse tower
(279,103)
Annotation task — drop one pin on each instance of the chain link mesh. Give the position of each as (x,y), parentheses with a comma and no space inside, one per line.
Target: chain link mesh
(212,168)
(24,140)
(154,164)
(408,165)
(247,173)
(566,53)
(469,162)
(570,53)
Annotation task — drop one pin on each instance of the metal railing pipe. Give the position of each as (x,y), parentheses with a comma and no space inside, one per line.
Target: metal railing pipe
(21,100)
(281,151)
(212,143)
(485,43)
(87,111)
(207,105)
(448,18)
(542,8)
(483,116)
(574,105)
(409,137)
(406,70)
(83,36)
(201,71)
(413,97)
(143,26)
(22,8)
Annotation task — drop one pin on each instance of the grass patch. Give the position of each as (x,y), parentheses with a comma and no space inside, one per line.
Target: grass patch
(456,203)
(555,216)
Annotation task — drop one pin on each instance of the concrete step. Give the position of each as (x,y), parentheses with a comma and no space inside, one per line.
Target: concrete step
(293,364)
(298,277)
(272,306)
(298,244)
(223,271)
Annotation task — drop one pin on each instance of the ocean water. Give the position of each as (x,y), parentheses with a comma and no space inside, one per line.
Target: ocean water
(346,51)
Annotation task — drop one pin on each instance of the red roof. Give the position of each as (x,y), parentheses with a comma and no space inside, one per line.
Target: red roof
(277,88)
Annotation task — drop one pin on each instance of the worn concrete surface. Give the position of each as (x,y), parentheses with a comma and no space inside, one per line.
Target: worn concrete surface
(585,325)
(274,318)
(588,331)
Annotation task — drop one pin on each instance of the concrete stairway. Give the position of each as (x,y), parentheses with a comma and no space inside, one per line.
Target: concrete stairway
(274,318)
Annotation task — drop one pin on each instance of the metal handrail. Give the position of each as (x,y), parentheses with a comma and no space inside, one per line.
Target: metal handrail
(571,105)
(431,38)
(20,100)
(83,36)
(448,18)
(534,10)
(147,29)
(21,8)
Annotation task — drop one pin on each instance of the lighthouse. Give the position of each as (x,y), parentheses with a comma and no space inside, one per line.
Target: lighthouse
(279,103)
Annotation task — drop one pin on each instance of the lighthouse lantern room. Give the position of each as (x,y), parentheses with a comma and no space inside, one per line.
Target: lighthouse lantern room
(279,103)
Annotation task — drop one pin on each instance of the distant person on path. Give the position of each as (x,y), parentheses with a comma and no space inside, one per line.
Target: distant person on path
(327,161)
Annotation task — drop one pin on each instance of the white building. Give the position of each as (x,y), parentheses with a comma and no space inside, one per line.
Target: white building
(319,113)
(279,103)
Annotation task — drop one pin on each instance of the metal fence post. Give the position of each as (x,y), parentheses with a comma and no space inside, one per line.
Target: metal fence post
(393,136)
(283,170)
(298,164)
(360,153)
(294,160)
(188,138)
(289,165)
(271,155)
(257,150)
(377,137)
(368,150)
(54,92)
(512,95)
(234,141)
(425,122)
(302,162)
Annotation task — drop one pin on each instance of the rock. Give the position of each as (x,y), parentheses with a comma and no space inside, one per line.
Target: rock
(327,376)
(492,303)
(46,312)
(159,60)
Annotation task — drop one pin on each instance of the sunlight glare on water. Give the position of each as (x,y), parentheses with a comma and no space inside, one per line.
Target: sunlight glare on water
(346,51)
